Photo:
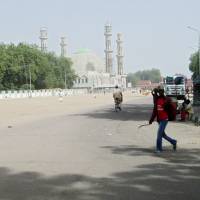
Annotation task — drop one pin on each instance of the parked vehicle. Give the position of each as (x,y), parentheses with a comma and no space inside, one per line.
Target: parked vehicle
(175,86)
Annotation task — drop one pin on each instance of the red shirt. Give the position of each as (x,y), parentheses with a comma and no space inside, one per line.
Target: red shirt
(158,110)
(161,113)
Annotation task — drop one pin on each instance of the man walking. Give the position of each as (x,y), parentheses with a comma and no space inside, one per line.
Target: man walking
(160,113)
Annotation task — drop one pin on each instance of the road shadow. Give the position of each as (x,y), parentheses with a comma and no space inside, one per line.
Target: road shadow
(130,112)
(189,156)
(175,178)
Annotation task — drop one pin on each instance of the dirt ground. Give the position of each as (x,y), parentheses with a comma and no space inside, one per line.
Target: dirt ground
(29,109)
(80,149)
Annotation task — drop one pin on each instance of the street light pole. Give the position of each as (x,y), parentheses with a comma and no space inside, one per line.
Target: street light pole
(25,71)
(65,80)
(29,79)
(198,32)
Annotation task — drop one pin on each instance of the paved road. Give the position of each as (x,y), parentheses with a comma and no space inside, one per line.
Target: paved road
(97,154)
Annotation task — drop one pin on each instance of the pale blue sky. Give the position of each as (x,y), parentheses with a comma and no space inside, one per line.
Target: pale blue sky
(155,31)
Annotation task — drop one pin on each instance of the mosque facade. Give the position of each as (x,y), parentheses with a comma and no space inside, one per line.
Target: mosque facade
(95,72)
(92,71)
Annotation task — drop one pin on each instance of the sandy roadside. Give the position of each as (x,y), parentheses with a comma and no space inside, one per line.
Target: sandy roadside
(14,111)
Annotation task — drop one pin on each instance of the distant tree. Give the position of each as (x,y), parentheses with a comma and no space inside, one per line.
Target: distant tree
(67,73)
(46,69)
(194,64)
(153,75)
(132,78)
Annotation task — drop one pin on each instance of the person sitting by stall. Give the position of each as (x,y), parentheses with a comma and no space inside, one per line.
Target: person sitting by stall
(186,110)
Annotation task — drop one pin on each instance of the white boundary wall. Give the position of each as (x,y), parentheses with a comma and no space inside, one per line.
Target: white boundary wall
(40,93)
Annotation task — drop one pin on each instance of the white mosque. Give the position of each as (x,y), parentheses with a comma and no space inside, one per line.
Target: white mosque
(92,71)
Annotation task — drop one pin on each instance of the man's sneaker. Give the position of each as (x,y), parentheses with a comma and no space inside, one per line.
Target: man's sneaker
(157,151)
(175,146)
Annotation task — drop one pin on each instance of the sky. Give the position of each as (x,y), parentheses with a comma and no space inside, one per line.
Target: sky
(155,32)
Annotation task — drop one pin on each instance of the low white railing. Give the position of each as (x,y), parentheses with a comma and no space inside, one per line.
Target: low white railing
(40,93)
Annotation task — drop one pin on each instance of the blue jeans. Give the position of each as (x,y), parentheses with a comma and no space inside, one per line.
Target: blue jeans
(161,134)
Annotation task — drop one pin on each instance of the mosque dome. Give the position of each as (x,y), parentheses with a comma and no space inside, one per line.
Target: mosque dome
(84,60)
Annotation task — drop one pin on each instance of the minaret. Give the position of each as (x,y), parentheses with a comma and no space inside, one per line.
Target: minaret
(63,46)
(43,39)
(108,50)
(120,64)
